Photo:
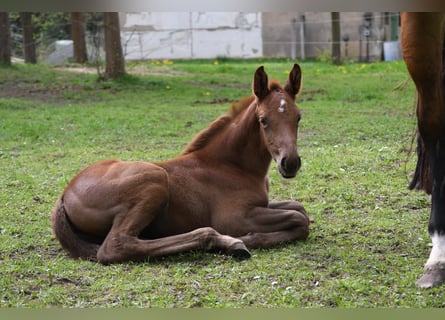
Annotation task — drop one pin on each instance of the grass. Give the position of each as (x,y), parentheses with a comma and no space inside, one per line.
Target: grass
(368,242)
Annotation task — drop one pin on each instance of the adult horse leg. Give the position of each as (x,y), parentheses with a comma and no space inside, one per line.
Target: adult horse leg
(422,39)
(279,222)
(434,271)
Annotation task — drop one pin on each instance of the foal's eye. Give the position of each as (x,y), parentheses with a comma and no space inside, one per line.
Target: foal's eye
(263,121)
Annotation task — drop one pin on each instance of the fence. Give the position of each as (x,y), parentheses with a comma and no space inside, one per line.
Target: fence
(231,34)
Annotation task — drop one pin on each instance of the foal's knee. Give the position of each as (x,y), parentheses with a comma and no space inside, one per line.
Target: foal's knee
(116,249)
(105,257)
(108,255)
(297,206)
(303,232)
(302,225)
(207,237)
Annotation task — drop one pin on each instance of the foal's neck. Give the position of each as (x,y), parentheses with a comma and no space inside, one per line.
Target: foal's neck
(241,144)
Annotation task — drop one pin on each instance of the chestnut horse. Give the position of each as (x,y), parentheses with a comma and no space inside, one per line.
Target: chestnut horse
(422,36)
(214,196)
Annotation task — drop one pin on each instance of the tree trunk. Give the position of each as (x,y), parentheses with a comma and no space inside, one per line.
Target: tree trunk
(78,35)
(114,57)
(5,39)
(29,49)
(336,48)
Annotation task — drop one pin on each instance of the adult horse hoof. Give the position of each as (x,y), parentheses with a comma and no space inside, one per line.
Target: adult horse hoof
(433,276)
(239,251)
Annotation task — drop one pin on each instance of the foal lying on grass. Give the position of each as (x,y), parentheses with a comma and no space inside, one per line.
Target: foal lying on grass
(212,196)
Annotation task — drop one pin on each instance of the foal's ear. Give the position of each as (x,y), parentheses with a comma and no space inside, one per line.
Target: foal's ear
(293,83)
(260,83)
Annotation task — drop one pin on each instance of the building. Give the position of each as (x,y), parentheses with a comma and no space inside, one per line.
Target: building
(370,36)
(190,35)
(362,34)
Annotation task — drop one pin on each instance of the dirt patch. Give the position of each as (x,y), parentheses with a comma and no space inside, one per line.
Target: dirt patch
(82,69)
(220,85)
(214,101)
(14,89)
(309,95)
(35,91)
(143,70)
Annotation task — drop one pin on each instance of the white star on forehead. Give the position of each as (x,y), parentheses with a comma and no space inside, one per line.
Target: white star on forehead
(282,104)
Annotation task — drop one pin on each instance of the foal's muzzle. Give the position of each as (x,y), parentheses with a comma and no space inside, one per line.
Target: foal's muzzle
(288,167)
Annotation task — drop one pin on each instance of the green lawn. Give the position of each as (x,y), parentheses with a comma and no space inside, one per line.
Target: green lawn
(369,239)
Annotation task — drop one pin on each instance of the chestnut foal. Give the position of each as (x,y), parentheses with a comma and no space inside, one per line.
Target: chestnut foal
(214,196)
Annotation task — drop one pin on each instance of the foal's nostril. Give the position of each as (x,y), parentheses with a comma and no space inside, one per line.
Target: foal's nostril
(298,163)
(283,163)
(291,165)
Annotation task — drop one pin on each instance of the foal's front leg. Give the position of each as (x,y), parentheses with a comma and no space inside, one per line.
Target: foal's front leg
(119,247)
(279,222)
(288,205)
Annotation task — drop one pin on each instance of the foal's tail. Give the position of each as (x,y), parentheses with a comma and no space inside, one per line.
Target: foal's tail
(77,245)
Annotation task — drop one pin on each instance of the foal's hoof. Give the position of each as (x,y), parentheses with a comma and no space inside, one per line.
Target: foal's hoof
(433,276)
(239,251)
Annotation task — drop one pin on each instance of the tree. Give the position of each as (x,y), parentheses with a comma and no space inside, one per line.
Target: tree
(29,49)
(336,45)
(5,39)
(114,57)
(78,35)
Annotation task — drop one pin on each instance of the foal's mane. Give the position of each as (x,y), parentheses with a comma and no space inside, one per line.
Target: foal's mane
(202,138)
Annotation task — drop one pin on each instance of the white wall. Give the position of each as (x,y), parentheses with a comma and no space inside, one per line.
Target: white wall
(176,35)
